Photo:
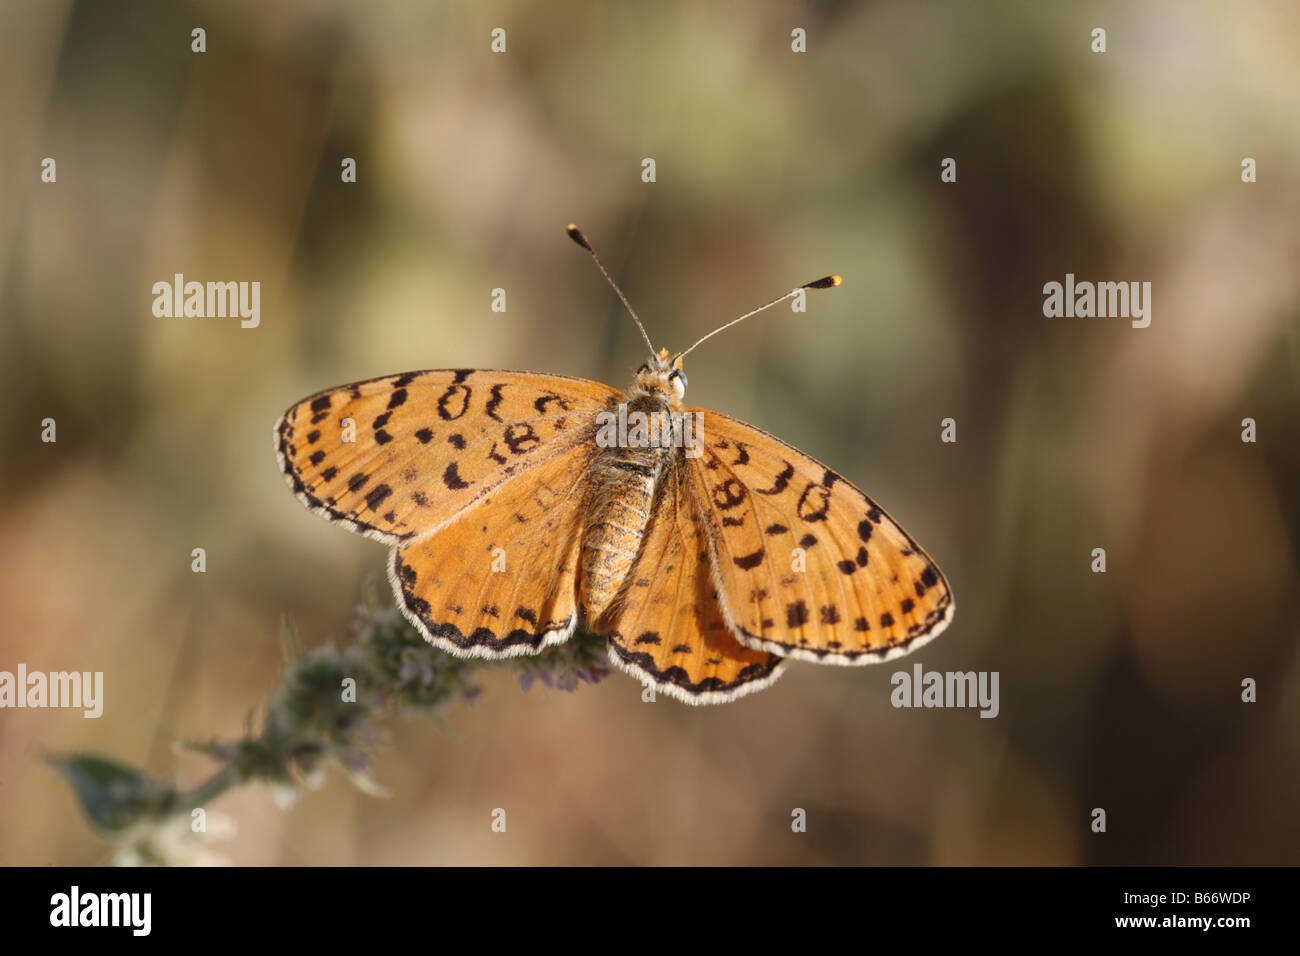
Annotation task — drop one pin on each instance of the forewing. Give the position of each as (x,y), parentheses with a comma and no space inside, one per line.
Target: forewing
(858,590)
(502,581)
(668,626)
(427,445)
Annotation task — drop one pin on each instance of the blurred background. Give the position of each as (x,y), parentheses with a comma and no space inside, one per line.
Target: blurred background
(1119,690)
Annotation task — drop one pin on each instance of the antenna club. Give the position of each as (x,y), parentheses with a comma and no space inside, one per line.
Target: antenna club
(828,282)
(576,235)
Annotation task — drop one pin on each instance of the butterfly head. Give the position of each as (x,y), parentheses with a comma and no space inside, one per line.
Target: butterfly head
(662,377)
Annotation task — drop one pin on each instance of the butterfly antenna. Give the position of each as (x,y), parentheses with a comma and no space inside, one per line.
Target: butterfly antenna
(576,235)
(827,282)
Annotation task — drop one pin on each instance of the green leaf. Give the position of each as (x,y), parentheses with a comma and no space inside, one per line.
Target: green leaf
(112,795)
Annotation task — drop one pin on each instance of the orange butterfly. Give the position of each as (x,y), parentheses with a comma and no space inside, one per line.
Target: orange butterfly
(518,504)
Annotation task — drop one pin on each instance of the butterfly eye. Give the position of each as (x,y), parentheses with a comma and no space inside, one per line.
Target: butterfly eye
(678,378)
(643,369)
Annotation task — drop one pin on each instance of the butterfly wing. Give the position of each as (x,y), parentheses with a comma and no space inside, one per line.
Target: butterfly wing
(398,457)
(667,626)
(866,591)
(502,580)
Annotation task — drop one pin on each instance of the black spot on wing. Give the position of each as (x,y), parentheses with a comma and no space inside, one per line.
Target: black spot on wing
(547,399)
(377,495)
(454,402)
(728,494)
(451,478)
(814,503)
(796,614)
(495,401)
(781,483)
(521,438)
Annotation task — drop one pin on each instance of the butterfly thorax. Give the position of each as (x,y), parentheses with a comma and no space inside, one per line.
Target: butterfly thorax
(633,450)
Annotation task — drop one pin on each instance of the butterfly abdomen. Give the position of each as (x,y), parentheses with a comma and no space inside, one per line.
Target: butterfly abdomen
(621,497)
(623,480)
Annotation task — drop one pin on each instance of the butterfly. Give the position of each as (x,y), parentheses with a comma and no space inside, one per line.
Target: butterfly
(519,505)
